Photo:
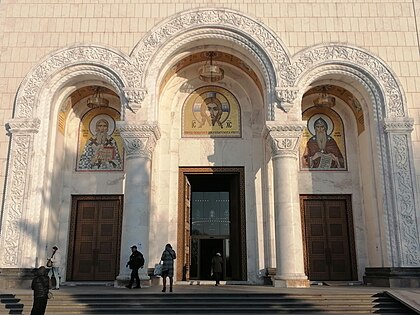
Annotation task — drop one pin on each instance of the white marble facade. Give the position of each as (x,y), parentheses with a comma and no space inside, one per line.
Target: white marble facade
(380,174)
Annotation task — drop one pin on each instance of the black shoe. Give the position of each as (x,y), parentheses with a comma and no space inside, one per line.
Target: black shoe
(170,289)
(164,290)
(128,286)
(137,287)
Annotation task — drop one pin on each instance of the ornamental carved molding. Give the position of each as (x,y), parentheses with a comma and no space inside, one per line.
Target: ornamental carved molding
(284,139)
(134,98)
(219,18)
(287,97)
(351,56)
(405,222)
(139,139)
(18,175)
(22,126)
(404,124)
(63,59)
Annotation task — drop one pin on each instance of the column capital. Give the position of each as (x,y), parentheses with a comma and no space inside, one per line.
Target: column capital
(139,138)
(398,124)
(23,125)
(284,138)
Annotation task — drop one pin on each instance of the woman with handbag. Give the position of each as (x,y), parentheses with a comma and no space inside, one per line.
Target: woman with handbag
(168,257)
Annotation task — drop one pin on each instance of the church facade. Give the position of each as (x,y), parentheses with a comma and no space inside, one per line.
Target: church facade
(283,136)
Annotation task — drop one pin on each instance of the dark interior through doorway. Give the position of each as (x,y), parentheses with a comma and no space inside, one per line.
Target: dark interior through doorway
(216,222)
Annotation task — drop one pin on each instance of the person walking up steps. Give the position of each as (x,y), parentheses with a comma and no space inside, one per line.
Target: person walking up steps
(168,257)
(135,263)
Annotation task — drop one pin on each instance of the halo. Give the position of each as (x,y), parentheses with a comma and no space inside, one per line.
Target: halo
(109,119)
(311,121)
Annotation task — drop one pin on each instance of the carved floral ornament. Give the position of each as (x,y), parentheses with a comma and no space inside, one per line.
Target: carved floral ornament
(102,57)
(23,126)
(139,139)
(403,124)
(132,70)
(284,138)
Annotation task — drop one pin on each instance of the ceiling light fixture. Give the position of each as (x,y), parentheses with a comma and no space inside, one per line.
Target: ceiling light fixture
(96,100)
(324,100)
(210,72)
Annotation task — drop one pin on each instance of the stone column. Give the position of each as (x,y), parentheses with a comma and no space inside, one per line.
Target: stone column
(139,142)
(284,139)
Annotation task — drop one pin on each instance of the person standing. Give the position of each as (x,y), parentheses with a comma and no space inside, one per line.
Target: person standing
(168,257)
(216,265)
(40,285)
(55,268)
(135,263)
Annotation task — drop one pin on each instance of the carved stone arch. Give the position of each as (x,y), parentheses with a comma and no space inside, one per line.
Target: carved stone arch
(171,35)
(392,126)
(364,84)
(30,139)
(115,64)
(360,61)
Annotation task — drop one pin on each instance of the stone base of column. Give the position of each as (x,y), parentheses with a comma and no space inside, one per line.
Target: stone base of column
(122,280)
(291,281)
(392,277)
(16,278)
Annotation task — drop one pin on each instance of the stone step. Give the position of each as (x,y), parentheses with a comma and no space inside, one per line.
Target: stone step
(206,303)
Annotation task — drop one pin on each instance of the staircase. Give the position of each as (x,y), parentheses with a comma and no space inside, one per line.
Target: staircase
(138,302)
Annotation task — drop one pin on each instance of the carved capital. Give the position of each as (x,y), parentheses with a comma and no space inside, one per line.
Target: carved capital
(134,98)
(286,97)
(398,124)
(284,138)
(23,126)
(139,139)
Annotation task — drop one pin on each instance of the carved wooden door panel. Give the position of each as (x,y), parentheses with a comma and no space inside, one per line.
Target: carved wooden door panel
(328,240)
(96,240)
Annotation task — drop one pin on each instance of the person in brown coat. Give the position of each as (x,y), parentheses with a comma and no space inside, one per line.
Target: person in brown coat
(41,286)
(216,266)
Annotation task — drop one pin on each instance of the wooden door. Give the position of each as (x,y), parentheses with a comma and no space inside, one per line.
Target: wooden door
(187,229)
(329,240)
(95,239)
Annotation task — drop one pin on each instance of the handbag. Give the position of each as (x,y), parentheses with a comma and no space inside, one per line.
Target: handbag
(158,270)
(49,263)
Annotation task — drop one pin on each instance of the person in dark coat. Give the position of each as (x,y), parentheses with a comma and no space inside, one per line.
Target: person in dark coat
(135,263)
(216,265)
(168,257)
(41,286)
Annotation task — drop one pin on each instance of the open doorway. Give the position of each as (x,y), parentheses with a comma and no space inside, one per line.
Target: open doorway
(211,220)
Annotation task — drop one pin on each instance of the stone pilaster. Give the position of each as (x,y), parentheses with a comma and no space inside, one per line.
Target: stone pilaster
(139,142)
(284,139)
(402,216)
(16,237)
